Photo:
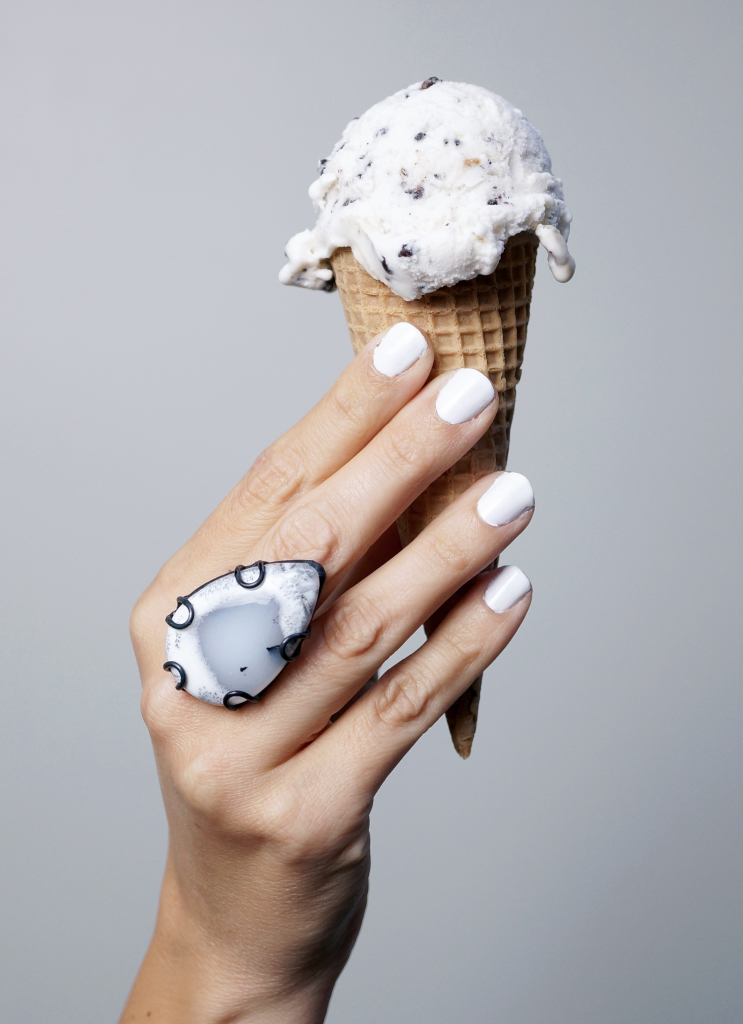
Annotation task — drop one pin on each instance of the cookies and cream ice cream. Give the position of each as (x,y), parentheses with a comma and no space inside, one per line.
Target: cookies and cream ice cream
(427,187)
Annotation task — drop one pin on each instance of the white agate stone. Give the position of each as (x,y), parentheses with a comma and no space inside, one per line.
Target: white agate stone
(233,641)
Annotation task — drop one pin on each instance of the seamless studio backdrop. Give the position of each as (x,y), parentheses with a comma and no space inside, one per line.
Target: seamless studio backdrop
(583,867)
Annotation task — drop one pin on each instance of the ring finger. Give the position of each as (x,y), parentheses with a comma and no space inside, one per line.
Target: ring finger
(360,750)
(370,622)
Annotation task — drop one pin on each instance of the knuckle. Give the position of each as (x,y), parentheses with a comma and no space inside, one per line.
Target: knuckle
(144,615)
(154,603)
(155,709)
(162,710)
(139,619)
(346,405)
(402,700)
(275,477)
(278,818)
(308,532)
(274,818)
(403,451)
(202,785)
(212,784)
(352,627)
(301,830)
(215,786)
(451,553)
(462,648)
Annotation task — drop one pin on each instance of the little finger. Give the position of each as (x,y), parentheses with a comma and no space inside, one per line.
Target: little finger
(366,743)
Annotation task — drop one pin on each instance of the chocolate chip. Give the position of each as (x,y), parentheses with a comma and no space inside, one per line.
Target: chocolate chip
(321,165)
(429,82)
(405,251)
(329,286)
(382,131)
(457,142)
(419,136)
(386,268)
(349,201)
(416,193)
(403,172)
(491,202)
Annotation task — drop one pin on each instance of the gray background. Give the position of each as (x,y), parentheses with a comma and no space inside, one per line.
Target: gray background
(584,866)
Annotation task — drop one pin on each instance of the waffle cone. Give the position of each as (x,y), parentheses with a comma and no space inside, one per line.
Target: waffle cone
(481,324)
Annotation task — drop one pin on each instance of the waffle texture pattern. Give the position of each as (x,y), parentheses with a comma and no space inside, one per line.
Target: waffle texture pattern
(481,324)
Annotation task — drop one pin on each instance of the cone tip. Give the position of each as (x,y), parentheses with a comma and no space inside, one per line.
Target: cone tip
(463,746)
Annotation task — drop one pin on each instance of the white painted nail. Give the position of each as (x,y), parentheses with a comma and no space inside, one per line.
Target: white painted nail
(506,588)
(401,346)
(464,396)
(508,497)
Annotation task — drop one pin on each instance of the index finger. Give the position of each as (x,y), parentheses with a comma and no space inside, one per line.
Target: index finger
(371,390)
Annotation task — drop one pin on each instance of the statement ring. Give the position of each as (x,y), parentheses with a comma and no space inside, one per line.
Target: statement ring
(231,637)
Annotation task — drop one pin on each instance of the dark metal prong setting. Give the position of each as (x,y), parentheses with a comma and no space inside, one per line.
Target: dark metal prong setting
(247,699)
(188,647)
(291,647)
(169,666)
(261,566)
(181,625)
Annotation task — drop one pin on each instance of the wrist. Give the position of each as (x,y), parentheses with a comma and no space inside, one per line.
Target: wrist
(191,977)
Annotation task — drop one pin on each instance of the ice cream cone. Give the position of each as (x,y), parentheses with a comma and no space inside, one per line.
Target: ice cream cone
(479,323)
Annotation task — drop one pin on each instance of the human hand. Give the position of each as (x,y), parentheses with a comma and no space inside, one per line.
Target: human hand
(268,806)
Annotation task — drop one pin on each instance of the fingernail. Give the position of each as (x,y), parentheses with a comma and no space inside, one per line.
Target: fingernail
(464,396)
(506,588)
(401,346)
(506,499)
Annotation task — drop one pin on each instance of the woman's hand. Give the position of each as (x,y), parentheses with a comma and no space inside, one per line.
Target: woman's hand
(266,879)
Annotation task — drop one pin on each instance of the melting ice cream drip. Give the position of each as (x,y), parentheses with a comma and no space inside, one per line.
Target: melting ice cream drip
(561,263)
(427,187)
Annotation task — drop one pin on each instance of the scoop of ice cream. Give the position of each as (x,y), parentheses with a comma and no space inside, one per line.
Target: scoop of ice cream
(427,187)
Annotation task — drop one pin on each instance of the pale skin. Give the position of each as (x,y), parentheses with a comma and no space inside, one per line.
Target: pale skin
(268,807)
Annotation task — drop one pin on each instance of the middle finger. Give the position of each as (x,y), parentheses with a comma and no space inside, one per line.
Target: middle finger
(336,524)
